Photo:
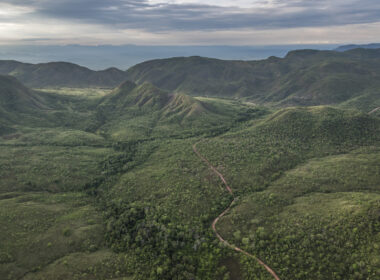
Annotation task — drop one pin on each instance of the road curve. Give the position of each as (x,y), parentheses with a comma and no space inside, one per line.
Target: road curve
(221,239)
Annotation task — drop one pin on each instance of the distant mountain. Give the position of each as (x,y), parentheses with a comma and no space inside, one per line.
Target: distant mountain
(352,46)
(61,74)
(303,77)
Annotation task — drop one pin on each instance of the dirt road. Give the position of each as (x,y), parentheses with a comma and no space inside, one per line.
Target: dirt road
(374,110)
(221,239)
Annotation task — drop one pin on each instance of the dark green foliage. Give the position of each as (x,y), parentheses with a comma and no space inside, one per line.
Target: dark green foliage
(261,153)
(289,220)
(173,250)
(340,242)
(40,230)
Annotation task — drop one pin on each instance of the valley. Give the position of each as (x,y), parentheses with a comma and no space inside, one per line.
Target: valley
(192,168)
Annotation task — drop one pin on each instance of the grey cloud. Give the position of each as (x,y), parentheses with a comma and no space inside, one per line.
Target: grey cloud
(167,17)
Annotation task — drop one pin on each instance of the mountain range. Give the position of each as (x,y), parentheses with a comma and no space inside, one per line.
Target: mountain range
(303,77)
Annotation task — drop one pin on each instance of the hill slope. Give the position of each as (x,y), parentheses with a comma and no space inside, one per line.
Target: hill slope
(15,96)
(61,74)
(305,176)
(35,116)
(17,103)
(143,111)
(304,77)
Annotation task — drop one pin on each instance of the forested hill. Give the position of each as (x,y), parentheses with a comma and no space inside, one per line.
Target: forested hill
(61,74)
(303,77)
(14,95)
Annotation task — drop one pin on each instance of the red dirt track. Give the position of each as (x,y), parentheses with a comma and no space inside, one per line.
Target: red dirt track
(374,110)
(221,239)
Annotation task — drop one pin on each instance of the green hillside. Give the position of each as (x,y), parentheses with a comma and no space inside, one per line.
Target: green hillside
(305,176)
(61,148)
(144,111)
(35,117)
(61,74)
(50,228)
(15,97)
(18,103)
(303,77)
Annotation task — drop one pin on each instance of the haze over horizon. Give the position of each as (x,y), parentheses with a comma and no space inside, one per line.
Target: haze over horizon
(100,34)
(125,56)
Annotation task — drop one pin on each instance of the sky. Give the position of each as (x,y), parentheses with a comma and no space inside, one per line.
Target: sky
(188,22)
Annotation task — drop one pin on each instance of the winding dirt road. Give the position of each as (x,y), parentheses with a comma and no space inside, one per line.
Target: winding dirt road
(221,239)
(374,110)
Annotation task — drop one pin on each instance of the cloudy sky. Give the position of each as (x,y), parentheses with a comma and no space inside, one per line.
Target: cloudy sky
(189,22)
